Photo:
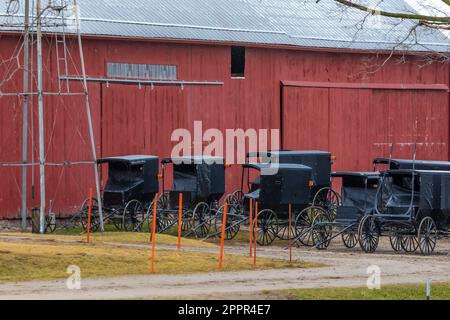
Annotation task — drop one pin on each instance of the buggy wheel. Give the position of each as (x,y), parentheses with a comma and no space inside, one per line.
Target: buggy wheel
(427,235)
(95,220)
(232,225)
(303,225)
(395,238)
(283,232)
(267,227)
(369,234)
(116,218)
(201,220)
(166,218)
(350,239)
(322,231)
(409,242)
(50,226)
(133,216)
(236,198)
(163,201)
(329,200)
(186,222)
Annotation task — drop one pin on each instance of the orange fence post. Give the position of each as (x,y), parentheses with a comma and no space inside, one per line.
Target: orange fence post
(255,235)
(154,232)
(251,227)
(222,239)
(289,233)
(89,216)
(180,221)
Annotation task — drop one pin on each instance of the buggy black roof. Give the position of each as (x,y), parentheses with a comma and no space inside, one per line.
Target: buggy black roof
(417,164)
(356,174)
(417,172)
(194,160)
(131,159)
(260,166)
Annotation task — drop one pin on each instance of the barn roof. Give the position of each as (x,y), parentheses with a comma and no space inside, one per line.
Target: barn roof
(305,23)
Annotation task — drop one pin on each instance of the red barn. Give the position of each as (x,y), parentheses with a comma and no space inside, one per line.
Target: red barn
(319,74)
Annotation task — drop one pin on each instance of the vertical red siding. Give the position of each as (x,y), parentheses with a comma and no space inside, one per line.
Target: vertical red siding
(354,124)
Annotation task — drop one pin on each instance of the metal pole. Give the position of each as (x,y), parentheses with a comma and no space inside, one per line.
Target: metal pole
(88,112)
(41,119)
(25,115)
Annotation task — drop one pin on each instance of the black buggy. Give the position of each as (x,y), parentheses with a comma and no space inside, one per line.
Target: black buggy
(201,181)
(359,191)
(276,187)
(412,206)
(321,195)
(130,188)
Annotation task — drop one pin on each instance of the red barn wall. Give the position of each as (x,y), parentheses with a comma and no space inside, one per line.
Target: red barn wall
(355,124)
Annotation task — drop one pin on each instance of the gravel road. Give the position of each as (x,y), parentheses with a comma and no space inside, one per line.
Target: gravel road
(344,268)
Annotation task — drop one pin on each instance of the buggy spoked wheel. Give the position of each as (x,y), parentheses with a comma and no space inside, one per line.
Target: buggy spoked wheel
(186,222)
(201,220)
(283,232)
(50,226)
(267,227)
(321,231)
(350,239)
(163,201)
(95,220)
(303,225)
(116,218)
(395,238)
(369,234)
(166,218)
(329,200)
(232,225)
(427,235)
(409,242)
(133,216)
(235,199)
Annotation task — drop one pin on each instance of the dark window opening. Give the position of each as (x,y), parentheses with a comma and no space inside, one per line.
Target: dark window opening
(237,61)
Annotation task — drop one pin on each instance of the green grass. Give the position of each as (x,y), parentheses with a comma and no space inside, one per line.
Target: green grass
(439,291)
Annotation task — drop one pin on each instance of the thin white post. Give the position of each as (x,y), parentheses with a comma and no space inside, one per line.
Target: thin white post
(41,118)
(25,115)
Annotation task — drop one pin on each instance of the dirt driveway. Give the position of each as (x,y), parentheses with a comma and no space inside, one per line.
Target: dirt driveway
(345,268)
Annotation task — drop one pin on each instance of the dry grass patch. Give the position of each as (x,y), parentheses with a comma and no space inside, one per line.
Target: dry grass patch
(21,261)
(118,237)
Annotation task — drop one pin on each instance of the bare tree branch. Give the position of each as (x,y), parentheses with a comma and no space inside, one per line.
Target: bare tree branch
(400,15)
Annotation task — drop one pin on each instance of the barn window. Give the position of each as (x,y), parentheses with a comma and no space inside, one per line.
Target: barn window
(142,71)
(237,62)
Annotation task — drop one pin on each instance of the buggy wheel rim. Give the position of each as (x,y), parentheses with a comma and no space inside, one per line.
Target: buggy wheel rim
(350,239)
(395,239)
(368,234)
(267,228)
(321,231)
(427,236)
(232,225)
(409,243)
(201,220)
(303,225)
(133,215)
(329,200)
